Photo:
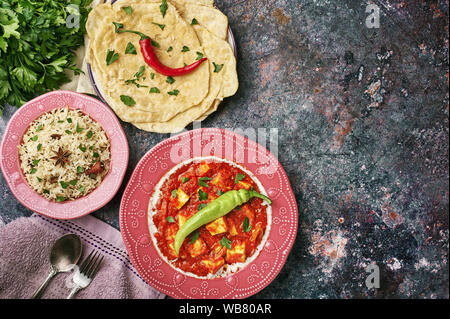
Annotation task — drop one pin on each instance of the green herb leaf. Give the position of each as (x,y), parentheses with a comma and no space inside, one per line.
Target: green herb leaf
(194,21)
(79,129)
(128,10)
(217,67)
(246,225)
(199,56)
(225,242)
(127,100)
(162,26)
(69,120)
(117,26)
(34,138)
(68,132)
(169,49)
(163,7)
(201,206)
(170,219)
(194,236)
(184,179)
(64,185)
(170,80)
(140,72)
(220,193)
(111,56)
(152,75)
(33,170)
(185,49)
(95,154)
(89,135)
(154,90)
(202,179)
(82,148)
(130,49)
(174,92)
(81,189)
(46,191)
(39,179)
(60,198)
(92,175)
(39,146)
(39,128)
(73,182)
(202,195)
(35,162)
(174,193)
(80,169)
(239,177)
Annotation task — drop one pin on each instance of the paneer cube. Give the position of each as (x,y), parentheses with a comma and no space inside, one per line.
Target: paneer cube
(232,228)
(217,226)
(198,248)
(182,219)
(181,198)
(170,238)
(203,168)
(237,254)
(245,185)
(213,265)
(219,181)
(256,232)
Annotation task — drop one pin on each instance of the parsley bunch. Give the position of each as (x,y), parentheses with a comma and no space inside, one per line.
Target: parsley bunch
(37,46)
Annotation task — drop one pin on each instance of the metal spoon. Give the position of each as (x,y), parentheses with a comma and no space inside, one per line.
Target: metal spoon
(64,255)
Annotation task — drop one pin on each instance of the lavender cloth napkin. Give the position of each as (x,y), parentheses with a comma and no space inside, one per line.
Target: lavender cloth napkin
(25,245)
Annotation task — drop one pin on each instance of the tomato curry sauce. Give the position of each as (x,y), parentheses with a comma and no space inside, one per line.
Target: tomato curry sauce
(227,240)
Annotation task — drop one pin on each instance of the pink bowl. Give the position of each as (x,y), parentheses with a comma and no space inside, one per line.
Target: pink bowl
(199,143)
(9,155)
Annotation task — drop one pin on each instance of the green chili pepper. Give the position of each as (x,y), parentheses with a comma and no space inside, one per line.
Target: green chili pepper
(215,209)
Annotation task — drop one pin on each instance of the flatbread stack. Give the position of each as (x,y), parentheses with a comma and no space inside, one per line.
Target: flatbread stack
(188,30)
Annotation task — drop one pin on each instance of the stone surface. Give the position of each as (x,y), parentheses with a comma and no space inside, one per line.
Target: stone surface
(362,117)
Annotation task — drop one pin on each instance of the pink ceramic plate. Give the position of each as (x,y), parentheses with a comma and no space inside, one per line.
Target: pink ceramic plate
(224,144)
(9,155)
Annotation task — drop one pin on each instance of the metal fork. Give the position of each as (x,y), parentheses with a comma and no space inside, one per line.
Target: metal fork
(84,275)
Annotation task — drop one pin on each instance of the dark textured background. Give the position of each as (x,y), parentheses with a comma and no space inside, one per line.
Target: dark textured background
(362,115)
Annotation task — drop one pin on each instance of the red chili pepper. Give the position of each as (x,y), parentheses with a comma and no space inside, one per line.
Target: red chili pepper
(97,168)
(152,60)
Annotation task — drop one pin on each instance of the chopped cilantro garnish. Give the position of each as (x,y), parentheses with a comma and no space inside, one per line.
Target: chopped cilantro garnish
(170,219)
(127,100)
(154,90)
(128,10)
(174,92)
(225,242)
(174,193)
(239,177)
(162,26)
(202,195)
(185,49)
(170,80)
(246,225)
(130,49)
(111,56)
(217,67)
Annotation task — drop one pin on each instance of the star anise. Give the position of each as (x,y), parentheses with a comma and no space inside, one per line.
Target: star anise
(61,157)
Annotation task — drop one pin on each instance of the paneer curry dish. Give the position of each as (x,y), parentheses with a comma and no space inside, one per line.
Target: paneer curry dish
(208,217)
